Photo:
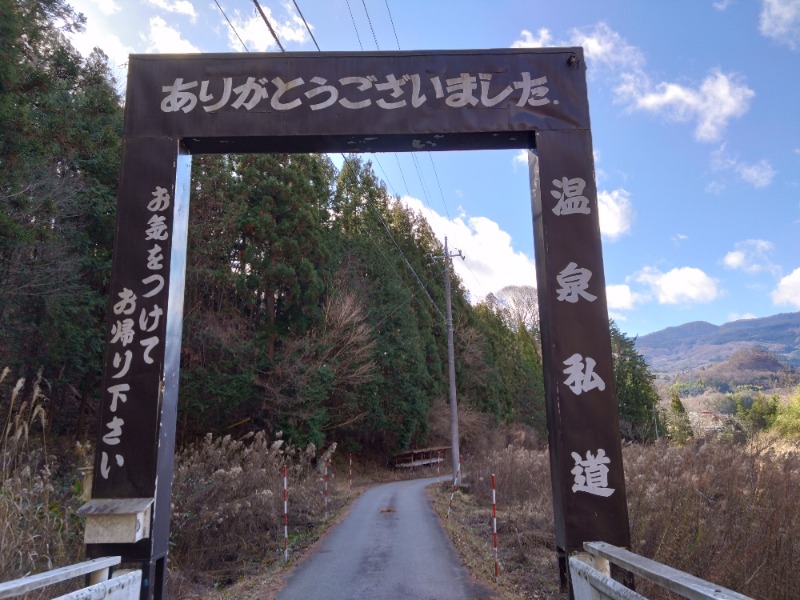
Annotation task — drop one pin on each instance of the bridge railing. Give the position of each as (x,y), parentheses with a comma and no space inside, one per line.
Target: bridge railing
(421,457)
(590,575)
(124,585)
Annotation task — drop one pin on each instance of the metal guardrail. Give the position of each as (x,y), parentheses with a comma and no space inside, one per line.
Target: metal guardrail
(591,580)
(123,586)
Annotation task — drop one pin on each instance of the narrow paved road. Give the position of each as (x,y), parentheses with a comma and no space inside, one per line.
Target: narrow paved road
(391,546)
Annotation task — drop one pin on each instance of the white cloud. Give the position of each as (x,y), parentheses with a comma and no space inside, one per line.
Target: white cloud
(722,5)
(719,98)
(679,237)
(721,160)
(780,20)
(741,316)
(181,7)
(622,297)
(788,290)
(107,7)
(605,48)
(491,261)
(116,51)
(715,188)
(759,174)
(529,40)
(257,37)
(616,213)
(752,256)
(710,105)
(735,260)
(97,34)
(520,159)
(683,285)
(167,40)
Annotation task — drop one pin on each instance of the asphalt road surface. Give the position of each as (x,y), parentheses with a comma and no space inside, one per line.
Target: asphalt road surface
(390,546)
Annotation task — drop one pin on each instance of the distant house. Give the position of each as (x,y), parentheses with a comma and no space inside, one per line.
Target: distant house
(706,420)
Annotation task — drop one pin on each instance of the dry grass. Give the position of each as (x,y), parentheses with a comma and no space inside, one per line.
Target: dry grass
(227,519)
(39,529)
(526,541)
(725,513)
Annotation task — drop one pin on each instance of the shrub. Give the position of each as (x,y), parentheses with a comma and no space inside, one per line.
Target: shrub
(787,421)
(227,516)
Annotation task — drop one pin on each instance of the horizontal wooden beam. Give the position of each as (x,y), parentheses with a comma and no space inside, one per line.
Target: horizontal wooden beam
(674,580)
(17,587)
(590,584)
(125,585)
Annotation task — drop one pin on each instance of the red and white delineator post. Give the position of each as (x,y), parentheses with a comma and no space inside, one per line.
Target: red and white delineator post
(494,528)
(285,515)
(456,477)
(326,488)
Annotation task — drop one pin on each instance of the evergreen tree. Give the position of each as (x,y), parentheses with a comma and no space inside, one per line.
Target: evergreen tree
(255,286)
(60,127)
(503,374)
(637,397)
(379,242)
(280,254)
(220,355)
(678,425)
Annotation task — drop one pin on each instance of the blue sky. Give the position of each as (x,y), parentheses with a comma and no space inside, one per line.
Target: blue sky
(694,108)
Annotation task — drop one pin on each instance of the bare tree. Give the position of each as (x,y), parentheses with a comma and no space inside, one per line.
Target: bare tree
(519,306)
(342,348)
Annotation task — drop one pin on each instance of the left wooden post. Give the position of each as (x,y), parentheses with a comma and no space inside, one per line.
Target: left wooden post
(129,509)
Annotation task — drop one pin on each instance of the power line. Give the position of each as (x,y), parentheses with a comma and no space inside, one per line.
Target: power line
(358,37)
(391,20)
(403,175)
(306,24)
(385,176)
(231,26)
(447,211)
(374,37)
(438,184)
(413,157)
(269,26)
(430,157)
(414,293)
(415,160)
(347,164)
(389,183)
(408,264)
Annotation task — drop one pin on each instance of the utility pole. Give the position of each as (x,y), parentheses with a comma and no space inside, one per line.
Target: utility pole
(451,366)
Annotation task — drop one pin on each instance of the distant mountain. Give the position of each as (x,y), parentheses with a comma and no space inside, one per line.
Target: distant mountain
(700,344)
